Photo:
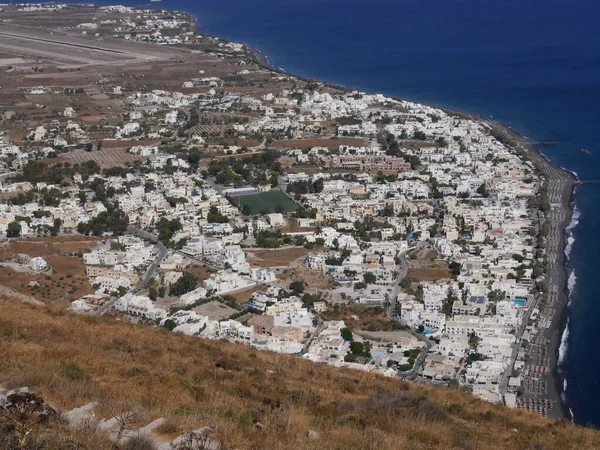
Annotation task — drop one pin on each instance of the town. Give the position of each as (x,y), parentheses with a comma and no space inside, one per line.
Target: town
(228,200)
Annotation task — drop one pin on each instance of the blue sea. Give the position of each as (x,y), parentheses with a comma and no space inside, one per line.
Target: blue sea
(533,64)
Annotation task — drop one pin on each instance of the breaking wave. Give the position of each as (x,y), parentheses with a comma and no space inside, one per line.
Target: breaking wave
(569,246)
(562,352)
(570,240)
(574,221)
(571,282)
(564,345)
(572,172)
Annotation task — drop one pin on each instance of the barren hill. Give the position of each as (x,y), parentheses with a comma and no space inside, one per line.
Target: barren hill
(250,399)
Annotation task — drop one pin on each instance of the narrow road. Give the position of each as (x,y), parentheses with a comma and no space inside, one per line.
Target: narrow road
(108,305)
(391,313)
(314,335)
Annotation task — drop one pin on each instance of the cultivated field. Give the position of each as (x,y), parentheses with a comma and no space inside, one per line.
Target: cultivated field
(424,265)
(312,279)
(200,271)
(66,283)
(281,257)
(215,310)
(105,158)
(361,318)
(244,295)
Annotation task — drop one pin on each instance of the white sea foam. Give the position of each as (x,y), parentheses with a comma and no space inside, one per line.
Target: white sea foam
(562,350)
(563,395)
(569,246)
(569,231)
(574,219)
(564,344)
(570,171)
(571,282)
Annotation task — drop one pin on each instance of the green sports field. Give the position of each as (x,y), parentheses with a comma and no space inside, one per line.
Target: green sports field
(265,201)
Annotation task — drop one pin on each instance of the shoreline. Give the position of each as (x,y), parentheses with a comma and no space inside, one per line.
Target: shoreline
(567,181)
(561,181)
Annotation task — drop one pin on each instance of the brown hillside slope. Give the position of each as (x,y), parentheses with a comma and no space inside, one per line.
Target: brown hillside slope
(195,383)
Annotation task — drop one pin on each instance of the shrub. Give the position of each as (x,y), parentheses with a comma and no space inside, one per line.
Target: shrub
(346,334)
(357,348)
(297,287)
(73,372)
(388,404)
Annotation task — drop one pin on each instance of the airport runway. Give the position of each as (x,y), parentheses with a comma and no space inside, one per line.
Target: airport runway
(77,49)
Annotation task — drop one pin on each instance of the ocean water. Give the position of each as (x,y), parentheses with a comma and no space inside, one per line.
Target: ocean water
(534,64)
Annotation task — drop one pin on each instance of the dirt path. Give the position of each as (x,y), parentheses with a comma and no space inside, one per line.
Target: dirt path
(11,293)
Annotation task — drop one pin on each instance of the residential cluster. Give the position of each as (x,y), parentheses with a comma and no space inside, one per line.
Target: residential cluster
(427,215)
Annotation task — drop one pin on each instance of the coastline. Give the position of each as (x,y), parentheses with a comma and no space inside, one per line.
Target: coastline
(565,183)
(561,185)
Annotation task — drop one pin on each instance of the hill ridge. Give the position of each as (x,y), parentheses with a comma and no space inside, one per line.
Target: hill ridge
(250,398)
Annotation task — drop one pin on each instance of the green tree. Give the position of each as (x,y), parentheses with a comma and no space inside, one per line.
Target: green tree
(170,325)
(112,220)
(369,278)
(246,210)
(481,190)
(186,283)
(167,228)
(346,334)
(297,287)
(14,229)
(318,185)
(473,341)
(357,348)
(454,268)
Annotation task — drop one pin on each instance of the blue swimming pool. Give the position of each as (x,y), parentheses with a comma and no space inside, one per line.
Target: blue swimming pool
(378,353)
(519,301)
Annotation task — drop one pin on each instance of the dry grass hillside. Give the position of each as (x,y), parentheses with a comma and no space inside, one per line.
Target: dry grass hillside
(252,399)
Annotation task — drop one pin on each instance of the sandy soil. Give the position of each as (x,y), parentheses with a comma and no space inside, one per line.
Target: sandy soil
(244,295)
(275,257)
(66,283)
(313,279)
(427,266)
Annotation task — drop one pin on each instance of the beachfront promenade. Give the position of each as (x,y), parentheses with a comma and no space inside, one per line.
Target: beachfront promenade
(536,356)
